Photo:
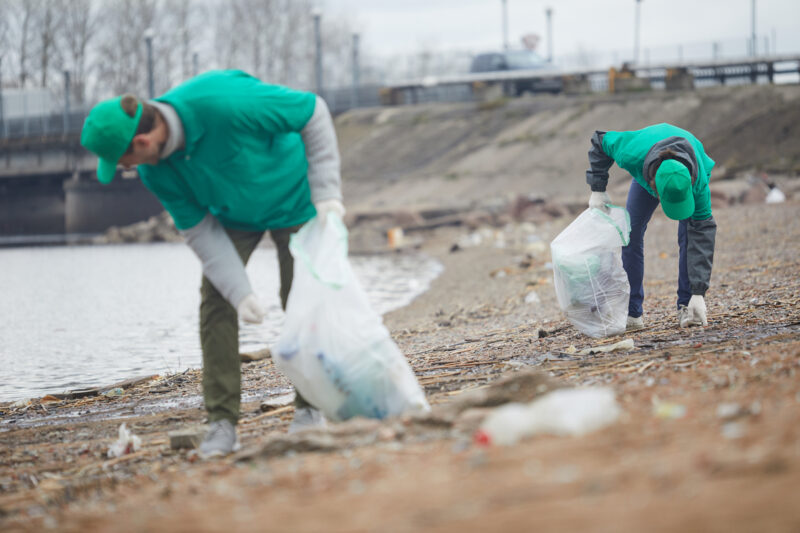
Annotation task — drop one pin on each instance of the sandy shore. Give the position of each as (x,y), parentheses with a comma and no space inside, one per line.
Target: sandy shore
(712,469)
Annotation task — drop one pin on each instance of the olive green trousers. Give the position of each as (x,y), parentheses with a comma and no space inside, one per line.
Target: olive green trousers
(219,328)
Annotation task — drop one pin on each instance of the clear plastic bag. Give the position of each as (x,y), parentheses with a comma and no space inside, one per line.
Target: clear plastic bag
(334,347)
(591,284)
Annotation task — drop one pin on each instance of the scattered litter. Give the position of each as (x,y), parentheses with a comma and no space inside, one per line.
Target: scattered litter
(468,241)
(125,444)
(394,237)
(536,247)
(20,403)
(731,411)
(116,391)
(571,349)
(668,410)
(563,412)
(49,398)
(733,430)
(532,298)
(626,345)
(775,196)
(728,411)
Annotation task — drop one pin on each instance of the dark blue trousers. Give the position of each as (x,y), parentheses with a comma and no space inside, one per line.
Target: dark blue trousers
(641,205)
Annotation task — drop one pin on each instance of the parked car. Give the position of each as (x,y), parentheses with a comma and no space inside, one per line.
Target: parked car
(517,60)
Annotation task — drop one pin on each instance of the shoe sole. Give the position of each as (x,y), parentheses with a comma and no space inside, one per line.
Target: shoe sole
(217,453)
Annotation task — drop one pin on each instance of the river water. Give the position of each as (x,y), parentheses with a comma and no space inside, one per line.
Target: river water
(80,316)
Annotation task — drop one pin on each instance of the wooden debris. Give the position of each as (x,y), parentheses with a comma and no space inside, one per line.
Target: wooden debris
(256,356)
(186,438)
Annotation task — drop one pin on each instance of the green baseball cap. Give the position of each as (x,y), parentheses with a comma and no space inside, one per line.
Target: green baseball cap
(674,185)
(107,132)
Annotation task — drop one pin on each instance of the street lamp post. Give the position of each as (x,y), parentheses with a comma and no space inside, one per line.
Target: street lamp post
(2,118)
(317,14)
(66,102)
(505,24)
(753,29)
(636,34)
(148,39)
(356,82)
(549,13)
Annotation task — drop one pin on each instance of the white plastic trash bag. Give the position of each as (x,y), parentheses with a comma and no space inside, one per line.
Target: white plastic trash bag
(591,285)
(334,347)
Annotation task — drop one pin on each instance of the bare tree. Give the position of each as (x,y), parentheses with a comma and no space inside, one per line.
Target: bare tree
(77,29)
(122,60)
(5,17)
(274,40)
(45,25)
(181,31)
(21,17)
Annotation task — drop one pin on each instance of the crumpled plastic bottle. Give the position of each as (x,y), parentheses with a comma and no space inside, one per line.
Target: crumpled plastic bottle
(563,412)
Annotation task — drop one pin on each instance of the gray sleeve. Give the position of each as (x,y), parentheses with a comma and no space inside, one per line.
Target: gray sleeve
(322,152)
(700,235)
(221,263)
(599,163)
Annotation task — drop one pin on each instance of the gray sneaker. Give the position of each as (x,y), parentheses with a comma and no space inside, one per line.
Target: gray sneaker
(634,323)
(220,440)
(685,317)
(307,418)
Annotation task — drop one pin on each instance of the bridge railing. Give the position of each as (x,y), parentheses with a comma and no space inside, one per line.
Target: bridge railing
(478,87)
(48,125)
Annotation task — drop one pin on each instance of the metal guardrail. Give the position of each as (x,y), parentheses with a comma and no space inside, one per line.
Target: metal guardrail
(33,127)
(472,87)
(433,88)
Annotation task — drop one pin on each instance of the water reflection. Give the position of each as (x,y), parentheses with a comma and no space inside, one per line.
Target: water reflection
(86,316)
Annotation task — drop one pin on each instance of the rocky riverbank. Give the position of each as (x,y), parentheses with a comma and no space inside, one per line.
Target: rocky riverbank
(710,415)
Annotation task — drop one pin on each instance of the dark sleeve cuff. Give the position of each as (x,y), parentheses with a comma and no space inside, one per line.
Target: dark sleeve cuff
(699,290)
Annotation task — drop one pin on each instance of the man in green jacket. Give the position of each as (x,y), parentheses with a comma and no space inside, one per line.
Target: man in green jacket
(669,166)
(229,157)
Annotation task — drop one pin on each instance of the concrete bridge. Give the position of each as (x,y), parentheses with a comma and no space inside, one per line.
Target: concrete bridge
(48,189)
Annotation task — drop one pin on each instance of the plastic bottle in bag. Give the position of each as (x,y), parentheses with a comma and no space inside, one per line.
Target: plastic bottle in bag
(334,346)
(591,284)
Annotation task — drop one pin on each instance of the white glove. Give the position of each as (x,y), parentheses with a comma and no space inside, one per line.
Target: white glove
(695,312)
(250,310)
(329,206)
(599,200)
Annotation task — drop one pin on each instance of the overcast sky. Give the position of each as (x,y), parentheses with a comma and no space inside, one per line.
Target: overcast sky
(406,26)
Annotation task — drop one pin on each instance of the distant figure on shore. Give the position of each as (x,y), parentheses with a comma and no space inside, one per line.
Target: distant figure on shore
(669,166)
(229,157)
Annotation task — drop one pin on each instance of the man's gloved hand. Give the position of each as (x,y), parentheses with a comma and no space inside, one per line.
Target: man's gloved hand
(695,314)
(599,200)
(329,206)
(250,310)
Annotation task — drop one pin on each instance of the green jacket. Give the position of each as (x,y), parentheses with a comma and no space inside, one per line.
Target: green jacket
(243,161)
(634,151)
(637,152)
